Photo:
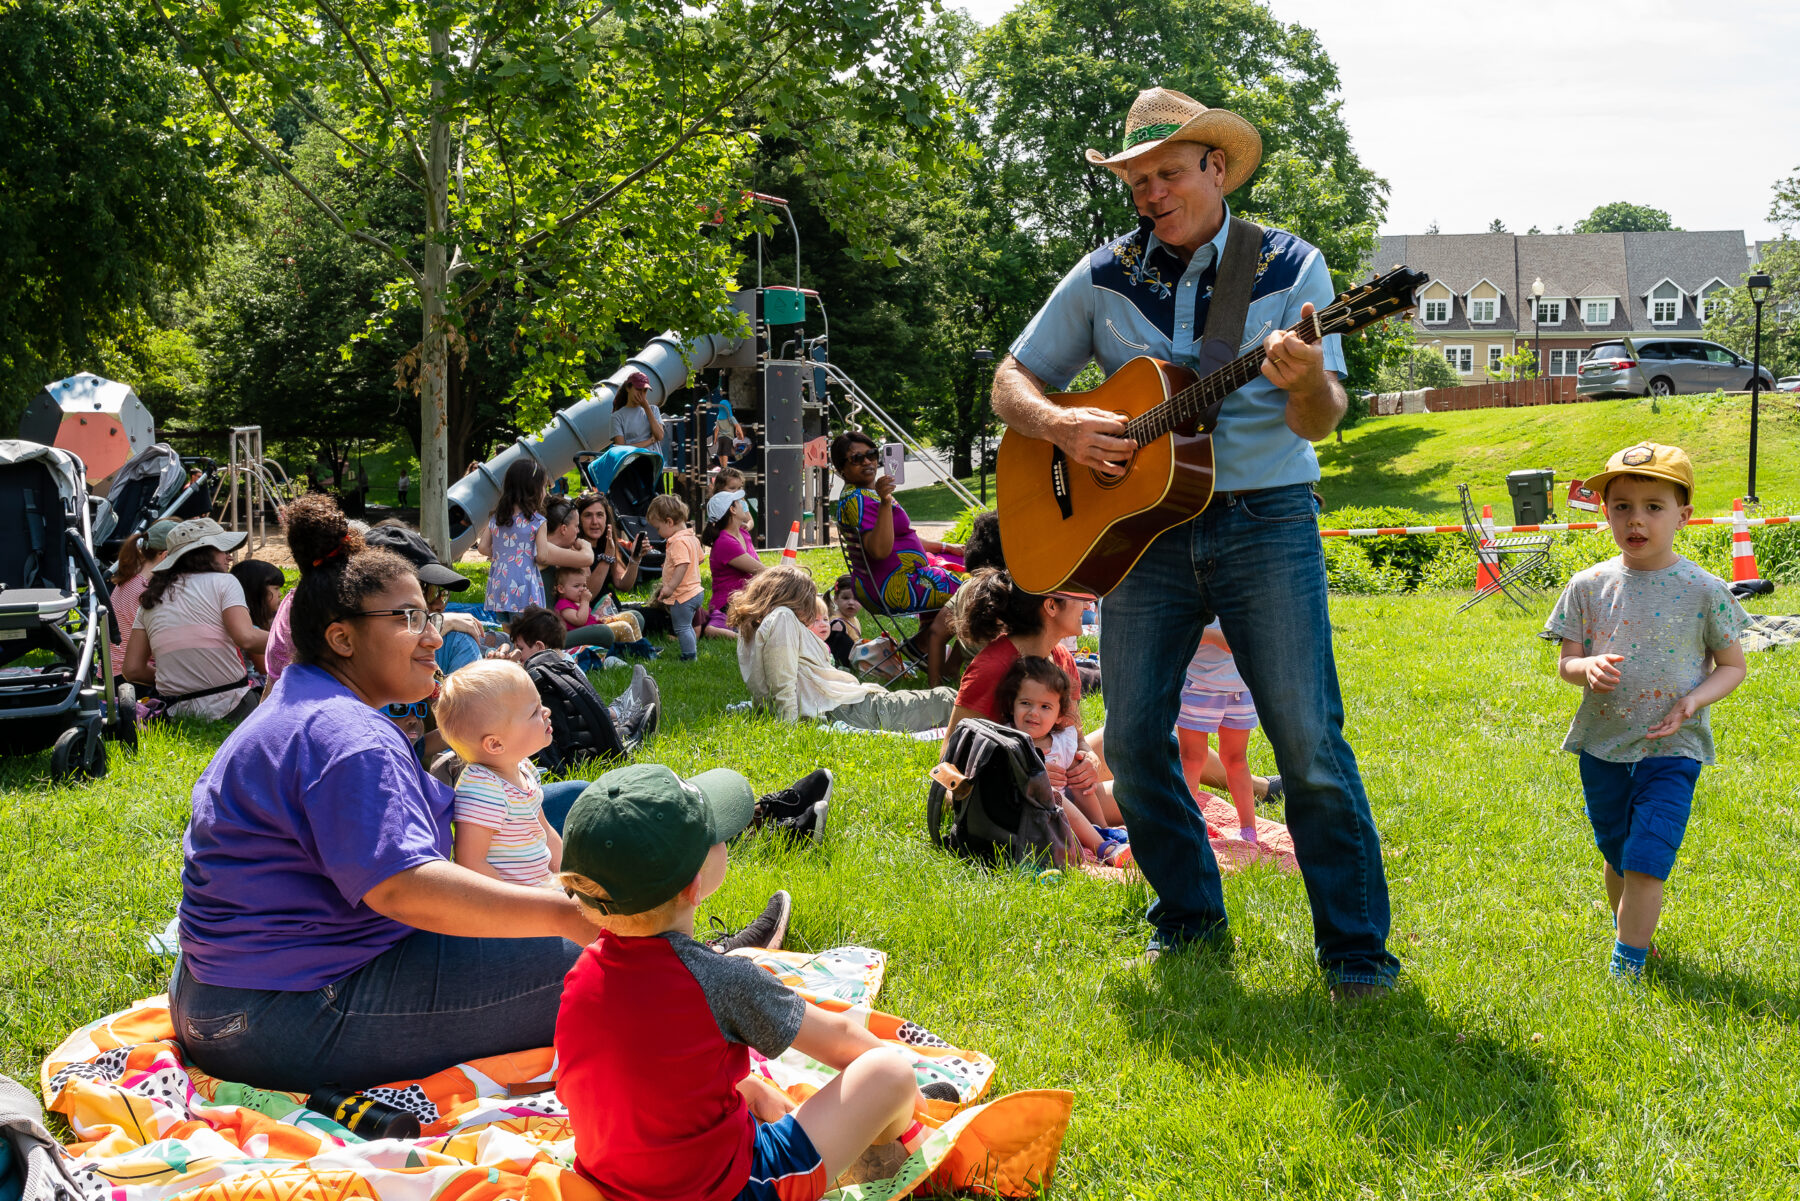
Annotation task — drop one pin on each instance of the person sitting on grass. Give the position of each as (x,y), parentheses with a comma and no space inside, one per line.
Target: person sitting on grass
(327,937)
(1651,639)
(191,624)
(652,1042)
(492,717)
(680,589)
(787,667)
(137,556)
(1038,698)
(732,556)
(579,611)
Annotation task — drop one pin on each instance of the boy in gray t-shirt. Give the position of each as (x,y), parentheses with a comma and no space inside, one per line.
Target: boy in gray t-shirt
(1652,640)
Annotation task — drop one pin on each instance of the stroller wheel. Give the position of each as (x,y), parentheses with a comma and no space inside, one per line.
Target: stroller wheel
(80,754)
(125,729)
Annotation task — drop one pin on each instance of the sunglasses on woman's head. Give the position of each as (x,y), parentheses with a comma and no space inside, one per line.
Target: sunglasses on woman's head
(418,709)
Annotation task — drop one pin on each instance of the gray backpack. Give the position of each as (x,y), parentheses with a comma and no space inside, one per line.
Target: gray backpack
(1004,811)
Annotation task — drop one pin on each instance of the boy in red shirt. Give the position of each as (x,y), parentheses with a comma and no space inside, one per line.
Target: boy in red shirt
(654,1031)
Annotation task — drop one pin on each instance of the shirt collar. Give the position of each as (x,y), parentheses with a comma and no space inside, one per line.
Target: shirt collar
(1199,261)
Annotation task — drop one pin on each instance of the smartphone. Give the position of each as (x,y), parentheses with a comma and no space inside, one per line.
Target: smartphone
(893,461)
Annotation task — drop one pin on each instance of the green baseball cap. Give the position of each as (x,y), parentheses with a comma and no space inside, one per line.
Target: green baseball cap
(642,832)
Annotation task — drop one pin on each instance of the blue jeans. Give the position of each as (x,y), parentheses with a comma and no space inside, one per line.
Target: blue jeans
(681,614)
(1255,562)
(560,797)
(1639,811)
(429,1002)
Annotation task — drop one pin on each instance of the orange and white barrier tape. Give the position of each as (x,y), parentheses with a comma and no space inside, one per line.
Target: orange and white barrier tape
(1547,527)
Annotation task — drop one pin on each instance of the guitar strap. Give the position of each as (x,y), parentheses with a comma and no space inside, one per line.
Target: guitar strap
(1230,306)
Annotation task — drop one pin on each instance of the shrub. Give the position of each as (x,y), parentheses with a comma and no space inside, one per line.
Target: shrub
(959,533)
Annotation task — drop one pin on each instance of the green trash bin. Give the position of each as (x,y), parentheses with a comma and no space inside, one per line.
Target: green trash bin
(1531,494)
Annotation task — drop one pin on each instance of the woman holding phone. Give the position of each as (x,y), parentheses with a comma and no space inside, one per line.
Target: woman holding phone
(616,561)
(898,571)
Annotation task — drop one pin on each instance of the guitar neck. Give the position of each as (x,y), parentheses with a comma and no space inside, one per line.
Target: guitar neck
(1199,402)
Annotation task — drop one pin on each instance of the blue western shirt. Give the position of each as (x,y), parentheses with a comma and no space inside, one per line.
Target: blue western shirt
(1134,296)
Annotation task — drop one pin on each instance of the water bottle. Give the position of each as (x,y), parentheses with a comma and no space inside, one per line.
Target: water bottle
(363,1114)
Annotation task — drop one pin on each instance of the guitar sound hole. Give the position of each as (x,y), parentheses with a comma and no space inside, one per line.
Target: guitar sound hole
(1106,482)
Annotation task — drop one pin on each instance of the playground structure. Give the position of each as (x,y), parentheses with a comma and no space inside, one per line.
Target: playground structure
(254,488)
(785,394)
(100,421)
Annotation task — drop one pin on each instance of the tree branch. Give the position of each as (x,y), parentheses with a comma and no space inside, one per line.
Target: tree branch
(366,154)
(393,107)
(274,160)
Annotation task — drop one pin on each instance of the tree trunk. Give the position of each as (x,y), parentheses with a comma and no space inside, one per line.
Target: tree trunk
(434,513)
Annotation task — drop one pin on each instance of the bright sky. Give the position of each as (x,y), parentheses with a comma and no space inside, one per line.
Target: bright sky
(1687,107)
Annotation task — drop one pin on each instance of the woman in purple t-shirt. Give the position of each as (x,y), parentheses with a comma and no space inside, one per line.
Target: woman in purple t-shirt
(327,936)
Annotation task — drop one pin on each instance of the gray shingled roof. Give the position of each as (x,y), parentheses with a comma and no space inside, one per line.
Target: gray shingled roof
(1573,266)
(1459,261)
(1690,259)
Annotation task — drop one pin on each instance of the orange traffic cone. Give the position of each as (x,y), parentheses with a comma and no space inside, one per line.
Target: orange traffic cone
(1743,554)
(1487,565)
(791,552)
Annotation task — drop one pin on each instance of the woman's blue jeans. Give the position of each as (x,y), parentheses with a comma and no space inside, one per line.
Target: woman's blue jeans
(428,1003)
(1253,560)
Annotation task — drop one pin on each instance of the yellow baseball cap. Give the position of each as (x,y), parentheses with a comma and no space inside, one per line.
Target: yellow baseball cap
(1647,458)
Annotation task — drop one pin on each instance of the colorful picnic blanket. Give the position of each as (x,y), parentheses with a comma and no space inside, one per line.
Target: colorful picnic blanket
(148,1127)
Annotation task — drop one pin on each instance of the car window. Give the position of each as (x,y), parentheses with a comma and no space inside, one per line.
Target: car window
(1686,350)
(1657,351)
(1608,350)
(1719,354)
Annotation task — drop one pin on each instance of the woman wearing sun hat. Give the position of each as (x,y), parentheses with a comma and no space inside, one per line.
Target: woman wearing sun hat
(193,622)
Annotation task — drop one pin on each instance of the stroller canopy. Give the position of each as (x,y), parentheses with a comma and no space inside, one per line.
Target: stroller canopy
(628,475)
(68,470)
(144,487)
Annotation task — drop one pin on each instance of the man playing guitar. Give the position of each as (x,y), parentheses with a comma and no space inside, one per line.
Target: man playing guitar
(1253,558)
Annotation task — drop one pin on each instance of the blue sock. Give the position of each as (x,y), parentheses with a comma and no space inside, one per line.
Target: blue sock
(1628,961)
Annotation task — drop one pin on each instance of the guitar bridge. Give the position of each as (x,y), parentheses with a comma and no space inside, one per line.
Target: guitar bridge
(1059,482)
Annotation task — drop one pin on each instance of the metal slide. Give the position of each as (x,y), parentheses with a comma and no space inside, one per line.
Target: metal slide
(583,427)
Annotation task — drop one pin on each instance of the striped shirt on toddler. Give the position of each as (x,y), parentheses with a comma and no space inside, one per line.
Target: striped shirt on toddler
(518,851)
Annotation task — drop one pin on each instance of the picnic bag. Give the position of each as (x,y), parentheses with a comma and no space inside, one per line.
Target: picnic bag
(1004,809)
(580,726)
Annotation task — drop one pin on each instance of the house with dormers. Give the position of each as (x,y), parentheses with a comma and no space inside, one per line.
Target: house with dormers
(1479,306)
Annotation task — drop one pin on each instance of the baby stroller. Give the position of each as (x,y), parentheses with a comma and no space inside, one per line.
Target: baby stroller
(631,476)
(56,681)
(154,485)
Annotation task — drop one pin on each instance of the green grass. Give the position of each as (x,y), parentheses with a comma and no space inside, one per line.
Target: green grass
(1416,461)
(1507,1065)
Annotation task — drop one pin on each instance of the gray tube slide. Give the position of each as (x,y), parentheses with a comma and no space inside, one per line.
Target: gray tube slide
(585,426)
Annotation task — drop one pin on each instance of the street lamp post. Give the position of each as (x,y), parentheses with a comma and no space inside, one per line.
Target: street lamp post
(983,355)
(1537,317)
(1759,292)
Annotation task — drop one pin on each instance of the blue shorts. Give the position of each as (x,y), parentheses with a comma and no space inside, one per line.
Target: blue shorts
(784,1166)
(1639,811)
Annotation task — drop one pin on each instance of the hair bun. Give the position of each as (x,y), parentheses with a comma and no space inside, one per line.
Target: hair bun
(318,534)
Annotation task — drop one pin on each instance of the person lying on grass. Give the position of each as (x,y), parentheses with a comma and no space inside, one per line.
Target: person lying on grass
(1651,639)
(787,667)
(654,1034)
(327,937)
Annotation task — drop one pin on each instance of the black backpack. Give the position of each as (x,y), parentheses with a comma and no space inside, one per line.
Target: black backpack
(1004,810)
(581,727)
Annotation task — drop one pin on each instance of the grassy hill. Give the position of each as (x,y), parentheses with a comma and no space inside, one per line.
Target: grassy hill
(1417,461)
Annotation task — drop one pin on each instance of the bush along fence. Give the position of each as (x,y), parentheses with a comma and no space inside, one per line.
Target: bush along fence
(1430,562)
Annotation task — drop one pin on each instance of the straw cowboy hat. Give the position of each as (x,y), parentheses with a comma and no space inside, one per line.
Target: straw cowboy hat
(1162,115)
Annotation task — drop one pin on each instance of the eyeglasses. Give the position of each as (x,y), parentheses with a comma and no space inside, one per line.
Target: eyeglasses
(867,456)
(416,619)
(418,709)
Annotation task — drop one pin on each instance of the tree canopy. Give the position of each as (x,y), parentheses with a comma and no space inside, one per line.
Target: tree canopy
(109,200)
(1623,217)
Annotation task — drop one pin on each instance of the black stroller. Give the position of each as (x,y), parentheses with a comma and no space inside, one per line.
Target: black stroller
(154,485)
(56,679)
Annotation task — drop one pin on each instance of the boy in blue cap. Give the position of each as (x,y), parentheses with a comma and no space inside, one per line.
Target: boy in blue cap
(654,1034)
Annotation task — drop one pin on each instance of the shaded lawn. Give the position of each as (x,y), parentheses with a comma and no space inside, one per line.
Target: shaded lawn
(1507,1065)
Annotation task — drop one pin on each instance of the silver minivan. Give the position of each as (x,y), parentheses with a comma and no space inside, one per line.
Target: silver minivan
(1664,367)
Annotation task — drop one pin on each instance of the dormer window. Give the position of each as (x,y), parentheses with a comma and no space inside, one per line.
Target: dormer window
(1482,311)
(1597,312)
(1549,312)
(1665,304)
(1437,312)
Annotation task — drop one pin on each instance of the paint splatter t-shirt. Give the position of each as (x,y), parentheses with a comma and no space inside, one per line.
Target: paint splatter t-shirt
(1667,624)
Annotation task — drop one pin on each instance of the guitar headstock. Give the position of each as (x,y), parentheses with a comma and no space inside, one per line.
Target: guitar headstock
(1380,297)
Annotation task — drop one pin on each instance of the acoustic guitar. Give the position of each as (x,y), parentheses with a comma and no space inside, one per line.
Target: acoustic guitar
(1064,526)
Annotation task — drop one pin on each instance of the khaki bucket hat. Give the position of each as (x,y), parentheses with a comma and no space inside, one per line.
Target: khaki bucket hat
(1160,115)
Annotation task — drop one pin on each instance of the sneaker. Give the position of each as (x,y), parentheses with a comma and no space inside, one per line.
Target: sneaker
(610,662)
(766,932)
(799,809)
(1115,853)
(638,707)
(1273,794)
(1155,950)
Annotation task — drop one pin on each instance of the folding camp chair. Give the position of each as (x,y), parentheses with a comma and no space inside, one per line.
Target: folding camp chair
(906,658)
(1512,564)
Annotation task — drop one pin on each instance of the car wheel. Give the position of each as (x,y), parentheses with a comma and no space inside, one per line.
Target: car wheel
(1662,386)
